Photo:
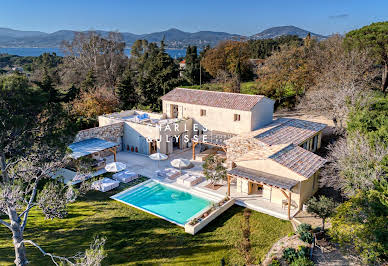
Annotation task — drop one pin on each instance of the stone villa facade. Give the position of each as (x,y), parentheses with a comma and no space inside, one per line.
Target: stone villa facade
(273,160)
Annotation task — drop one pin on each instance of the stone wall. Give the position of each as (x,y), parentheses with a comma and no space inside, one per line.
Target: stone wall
(112,133)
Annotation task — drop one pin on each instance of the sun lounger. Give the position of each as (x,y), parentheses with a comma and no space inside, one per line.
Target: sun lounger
(189,180)
(180,179)
(125,176)
(171,173)
(192,180)
(105,184)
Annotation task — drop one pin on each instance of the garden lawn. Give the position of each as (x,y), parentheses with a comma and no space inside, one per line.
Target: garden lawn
(136,237)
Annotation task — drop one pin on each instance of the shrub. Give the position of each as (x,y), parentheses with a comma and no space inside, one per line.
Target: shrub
(289,254)
(274,262)
(303,228)
(303,251)
(302,261)
(306,237)
(291,234)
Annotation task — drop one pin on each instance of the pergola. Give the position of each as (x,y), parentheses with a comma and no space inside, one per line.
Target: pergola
(90,146)
(283,184)
(214,138)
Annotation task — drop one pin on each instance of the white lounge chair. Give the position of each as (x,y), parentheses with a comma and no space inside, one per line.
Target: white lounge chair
(189,180)
(125,176)
(171,173)
(182,178)
(105,184)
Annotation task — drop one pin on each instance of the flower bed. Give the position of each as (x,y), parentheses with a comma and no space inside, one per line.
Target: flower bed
(205,218)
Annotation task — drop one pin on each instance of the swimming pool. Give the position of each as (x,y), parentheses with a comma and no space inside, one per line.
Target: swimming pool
(168,203)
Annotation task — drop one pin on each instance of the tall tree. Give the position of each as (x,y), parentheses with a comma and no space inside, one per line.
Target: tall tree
(91,52)
(156,73)
(191,72)
(126,90)
(33,137)
(373,38)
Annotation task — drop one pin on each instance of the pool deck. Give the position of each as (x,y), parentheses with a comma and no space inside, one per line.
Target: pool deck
(143,165)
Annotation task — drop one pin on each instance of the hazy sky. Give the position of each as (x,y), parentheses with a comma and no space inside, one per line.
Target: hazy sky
(234,16)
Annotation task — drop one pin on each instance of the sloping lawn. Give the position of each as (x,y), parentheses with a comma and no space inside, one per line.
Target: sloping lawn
(135,237)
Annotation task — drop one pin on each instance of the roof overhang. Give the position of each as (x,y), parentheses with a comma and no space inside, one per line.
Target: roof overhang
(263,178)
(89,146)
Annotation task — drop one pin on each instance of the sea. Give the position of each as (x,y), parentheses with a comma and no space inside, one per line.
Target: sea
(174,53)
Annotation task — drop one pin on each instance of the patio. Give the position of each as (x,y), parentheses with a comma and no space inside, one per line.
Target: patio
(142,164)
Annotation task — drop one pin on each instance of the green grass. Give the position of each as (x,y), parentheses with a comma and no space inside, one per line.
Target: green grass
(135,237)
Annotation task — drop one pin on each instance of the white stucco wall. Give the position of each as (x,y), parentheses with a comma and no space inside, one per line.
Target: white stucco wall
(262,113)
(218,119)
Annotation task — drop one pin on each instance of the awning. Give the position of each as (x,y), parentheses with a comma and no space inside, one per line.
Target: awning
(90,146)
(262,177)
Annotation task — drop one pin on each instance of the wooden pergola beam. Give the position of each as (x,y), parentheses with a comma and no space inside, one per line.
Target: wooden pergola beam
(114,151)
(228,185)
(194,144)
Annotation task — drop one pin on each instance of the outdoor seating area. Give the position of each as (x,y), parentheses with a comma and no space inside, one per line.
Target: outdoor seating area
(105,184)
(170,173)
(125,176)
(189,179)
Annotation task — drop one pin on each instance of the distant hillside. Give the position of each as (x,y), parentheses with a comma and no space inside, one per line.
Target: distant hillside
(174,38)
(275,32)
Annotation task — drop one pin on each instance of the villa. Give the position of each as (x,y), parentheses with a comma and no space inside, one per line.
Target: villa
(272,167)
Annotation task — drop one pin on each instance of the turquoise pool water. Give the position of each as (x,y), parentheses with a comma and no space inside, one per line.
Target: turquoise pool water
(168,203)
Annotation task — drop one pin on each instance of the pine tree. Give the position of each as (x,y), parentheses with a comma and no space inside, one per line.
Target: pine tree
(89,82)
(47,86)
(126,90)
(191,72)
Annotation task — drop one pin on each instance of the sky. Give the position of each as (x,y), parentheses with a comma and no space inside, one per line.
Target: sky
(246,17)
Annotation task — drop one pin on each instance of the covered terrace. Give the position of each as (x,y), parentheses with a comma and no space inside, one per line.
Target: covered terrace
(93,146)
(284,185)
(212,138)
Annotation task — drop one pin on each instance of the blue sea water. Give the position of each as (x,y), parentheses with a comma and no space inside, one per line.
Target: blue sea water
(174,53)
(172,204)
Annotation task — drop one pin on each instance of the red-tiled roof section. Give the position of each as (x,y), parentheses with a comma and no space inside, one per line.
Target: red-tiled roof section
(235,101)
(299,160)
(293,131)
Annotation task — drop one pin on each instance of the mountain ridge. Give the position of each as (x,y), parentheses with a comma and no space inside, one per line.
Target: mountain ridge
(174,38)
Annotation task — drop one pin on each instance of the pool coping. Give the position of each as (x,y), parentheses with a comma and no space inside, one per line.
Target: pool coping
(114,197)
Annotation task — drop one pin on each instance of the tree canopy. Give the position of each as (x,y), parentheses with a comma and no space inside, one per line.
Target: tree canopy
(373,38)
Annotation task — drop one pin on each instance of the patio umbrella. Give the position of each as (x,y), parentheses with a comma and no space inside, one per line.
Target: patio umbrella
(115,167)
(158,157)
(180,163)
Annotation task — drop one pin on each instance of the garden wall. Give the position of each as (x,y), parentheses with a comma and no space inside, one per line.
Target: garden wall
(112,132)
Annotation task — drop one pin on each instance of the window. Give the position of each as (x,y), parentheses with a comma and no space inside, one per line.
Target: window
(236,117)
(203,112)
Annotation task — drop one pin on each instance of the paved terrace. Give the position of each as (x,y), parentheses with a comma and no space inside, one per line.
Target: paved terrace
(143,165)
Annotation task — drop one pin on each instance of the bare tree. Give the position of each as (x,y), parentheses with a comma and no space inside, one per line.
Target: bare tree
(33,137)
(92,52)
(354,164)
(342,80)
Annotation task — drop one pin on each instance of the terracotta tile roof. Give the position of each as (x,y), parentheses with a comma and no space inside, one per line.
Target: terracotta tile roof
(299,160)
(262,177)
(235,101)
(293,131)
